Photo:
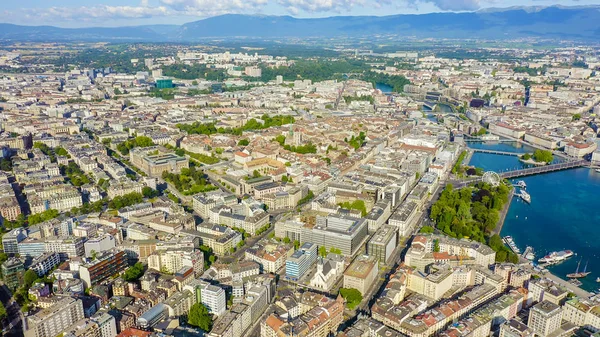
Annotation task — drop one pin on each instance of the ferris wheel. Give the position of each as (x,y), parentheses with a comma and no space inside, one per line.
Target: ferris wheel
(492,178)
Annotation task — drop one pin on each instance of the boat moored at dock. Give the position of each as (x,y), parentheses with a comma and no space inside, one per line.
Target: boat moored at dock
(556,257)
(511,244)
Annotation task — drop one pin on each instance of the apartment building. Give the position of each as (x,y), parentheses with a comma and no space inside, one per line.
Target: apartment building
(545,318)
(53,321)
(103,267)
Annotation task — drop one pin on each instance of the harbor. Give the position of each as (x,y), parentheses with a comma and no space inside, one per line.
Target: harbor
(558,217)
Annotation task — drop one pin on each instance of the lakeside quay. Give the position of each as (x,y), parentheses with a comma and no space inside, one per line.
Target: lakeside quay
(504,212)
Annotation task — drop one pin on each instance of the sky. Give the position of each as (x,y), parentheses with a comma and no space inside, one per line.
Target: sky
(112,13)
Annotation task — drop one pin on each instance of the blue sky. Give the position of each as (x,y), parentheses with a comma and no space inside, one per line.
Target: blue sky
(88,13)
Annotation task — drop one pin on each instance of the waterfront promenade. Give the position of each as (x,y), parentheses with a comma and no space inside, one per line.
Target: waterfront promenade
(572,288)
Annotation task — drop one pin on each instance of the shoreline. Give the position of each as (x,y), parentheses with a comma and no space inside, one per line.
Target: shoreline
(504,213)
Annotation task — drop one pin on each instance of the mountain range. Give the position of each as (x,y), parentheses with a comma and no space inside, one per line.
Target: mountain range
(556,22)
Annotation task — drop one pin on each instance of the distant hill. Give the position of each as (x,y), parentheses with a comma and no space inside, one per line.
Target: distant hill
(543,22)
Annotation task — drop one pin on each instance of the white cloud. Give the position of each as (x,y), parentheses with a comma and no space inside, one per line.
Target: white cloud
(457,5)
(212,7)
(312,6)
(447,5)
(85,13)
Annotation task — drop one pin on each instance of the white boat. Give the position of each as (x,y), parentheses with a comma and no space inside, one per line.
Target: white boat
(529,254)
(521,184)
(525,196)
(556,257)
(598,279)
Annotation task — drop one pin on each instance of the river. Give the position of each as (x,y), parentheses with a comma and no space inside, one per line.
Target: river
(386,89)
(562,215)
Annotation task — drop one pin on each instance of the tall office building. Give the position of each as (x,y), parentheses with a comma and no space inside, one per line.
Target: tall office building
(297,264)
(53,321)
(545,318)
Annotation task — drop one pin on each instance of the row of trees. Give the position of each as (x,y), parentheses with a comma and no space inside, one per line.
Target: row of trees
(307,198)
(323,251)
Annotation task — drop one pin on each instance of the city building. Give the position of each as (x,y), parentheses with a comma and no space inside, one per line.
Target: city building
(103,267)
(361,274)
(156,159)
(383,243)
(12,272)
(302,259)
(51,322)
(545,318)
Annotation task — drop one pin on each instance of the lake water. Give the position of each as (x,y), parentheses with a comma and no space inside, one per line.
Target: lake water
(563,213)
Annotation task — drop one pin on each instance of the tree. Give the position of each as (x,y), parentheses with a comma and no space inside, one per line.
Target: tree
(149,192)
(352,296)
(323,251)
(143,141)
(543,156)
(243,142)
(29,277)
(61,152)
(426,230)
(3,313)
(296,244)
(134,272)
(335,251)
(576,117)
(200,317)
(436,246)
(286,240)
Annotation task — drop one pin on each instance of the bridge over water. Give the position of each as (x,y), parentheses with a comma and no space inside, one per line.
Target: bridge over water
(503,153)
(527,172)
